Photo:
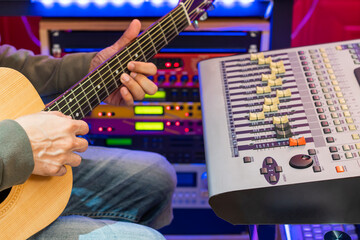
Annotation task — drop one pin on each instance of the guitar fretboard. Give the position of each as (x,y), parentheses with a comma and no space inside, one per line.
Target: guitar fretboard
(85,95)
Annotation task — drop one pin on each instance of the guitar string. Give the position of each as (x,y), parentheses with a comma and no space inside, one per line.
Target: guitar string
(98,69)
(116,58)
(112,85)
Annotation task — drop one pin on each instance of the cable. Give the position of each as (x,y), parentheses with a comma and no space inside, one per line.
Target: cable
(29,31)
(305,19)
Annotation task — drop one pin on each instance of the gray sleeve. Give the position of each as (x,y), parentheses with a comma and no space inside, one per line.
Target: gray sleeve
(16,157)
(48,75)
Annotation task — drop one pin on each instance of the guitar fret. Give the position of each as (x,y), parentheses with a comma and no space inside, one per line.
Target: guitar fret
(152,43)
(142,52)
(163,33)
(113,75)
(75,101)
(173,22)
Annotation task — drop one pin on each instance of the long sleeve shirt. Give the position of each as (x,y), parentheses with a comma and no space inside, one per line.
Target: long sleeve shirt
(49,76)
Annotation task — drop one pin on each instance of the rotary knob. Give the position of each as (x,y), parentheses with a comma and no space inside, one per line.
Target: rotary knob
(301,161)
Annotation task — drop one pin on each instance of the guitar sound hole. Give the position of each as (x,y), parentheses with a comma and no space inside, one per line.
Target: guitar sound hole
(4,194)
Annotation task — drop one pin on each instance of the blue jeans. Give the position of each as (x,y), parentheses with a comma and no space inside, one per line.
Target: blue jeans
(116,192)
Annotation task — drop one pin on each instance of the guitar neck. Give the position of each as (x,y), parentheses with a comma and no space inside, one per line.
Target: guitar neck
(89,92)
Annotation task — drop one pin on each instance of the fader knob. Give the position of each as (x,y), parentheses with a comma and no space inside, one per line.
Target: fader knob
(301,161)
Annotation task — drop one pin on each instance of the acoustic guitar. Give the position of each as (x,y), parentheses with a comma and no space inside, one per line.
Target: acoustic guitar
(30,207)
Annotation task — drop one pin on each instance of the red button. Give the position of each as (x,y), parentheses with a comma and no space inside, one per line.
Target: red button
(339,169)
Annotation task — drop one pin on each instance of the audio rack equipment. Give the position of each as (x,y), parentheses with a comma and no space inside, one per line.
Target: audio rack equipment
(282,134)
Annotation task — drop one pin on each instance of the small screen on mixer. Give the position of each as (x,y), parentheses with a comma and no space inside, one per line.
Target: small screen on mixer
(186,179)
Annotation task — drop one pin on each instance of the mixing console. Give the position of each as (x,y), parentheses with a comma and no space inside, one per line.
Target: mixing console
(282,136)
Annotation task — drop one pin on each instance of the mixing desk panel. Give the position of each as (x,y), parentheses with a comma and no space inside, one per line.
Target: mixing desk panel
(281,133)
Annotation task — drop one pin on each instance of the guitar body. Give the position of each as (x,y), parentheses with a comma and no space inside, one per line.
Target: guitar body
(31,206)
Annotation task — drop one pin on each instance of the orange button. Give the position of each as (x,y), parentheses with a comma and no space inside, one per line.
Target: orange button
(301,141)
(293,142)
(339,169)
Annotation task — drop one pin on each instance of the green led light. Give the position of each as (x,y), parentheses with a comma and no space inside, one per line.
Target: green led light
(158,95)
(119,141)
(149,126)
(149,110)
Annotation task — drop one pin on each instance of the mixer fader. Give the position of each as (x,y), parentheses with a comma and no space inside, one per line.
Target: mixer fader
(282,134)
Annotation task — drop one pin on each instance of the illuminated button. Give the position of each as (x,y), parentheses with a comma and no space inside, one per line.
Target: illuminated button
(274,71)
(349,155)
(346,147)
(352,127)
(323,84)
(347,114)
(329,102)
(330,71)
(324,124)
(335,156)
(339,47)
(322,50)
(324,55)
(321,78)
(315,98)
(333,149)
(322,117)
(318,104)
(357,145)
(326,60)
(342,101)
(327,96)
(327,130)
(319,72)
(337,122)
(310,79)
(356,136)
(339,94)
(316,61)
(334,82)
(317,67)
(339,129)
(332,109)
(320,110)
(349,120)
(339,169)
(330,140)
(334,115)
(325,90)
(344,107)
(337,89)
(328,65)
(332,77)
